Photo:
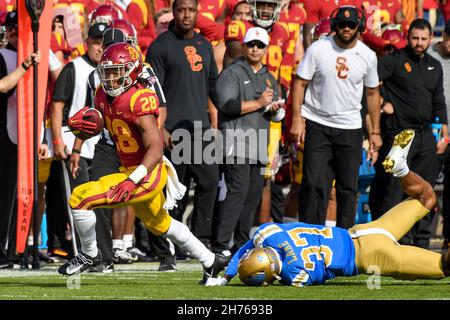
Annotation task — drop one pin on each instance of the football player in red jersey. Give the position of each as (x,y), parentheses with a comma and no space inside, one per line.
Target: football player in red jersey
(292,17)
(265,15)
(130,111)
(319,9)
(380,13)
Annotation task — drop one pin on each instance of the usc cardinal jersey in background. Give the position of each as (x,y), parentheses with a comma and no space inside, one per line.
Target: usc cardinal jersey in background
(278,43)
(120,113)
(310,254)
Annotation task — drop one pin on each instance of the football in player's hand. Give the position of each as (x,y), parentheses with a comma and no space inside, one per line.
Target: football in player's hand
(86,123)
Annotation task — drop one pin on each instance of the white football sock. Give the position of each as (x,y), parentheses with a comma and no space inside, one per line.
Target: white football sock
(117,244)
(30,240)
(180,234)
(127,241)
(402,168)
(84,221)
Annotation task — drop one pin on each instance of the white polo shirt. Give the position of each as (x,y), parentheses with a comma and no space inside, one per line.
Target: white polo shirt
(337,79)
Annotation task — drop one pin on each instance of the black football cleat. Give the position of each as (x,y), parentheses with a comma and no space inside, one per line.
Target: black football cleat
(219,264)
(80,263)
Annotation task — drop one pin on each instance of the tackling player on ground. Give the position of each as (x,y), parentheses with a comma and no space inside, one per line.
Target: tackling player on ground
(300,254)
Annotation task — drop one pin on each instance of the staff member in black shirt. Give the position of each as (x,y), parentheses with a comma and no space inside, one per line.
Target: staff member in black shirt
(413,84)
(184,62)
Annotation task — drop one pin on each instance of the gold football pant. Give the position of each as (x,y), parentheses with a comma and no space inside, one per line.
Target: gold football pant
(147,200)
(392,259)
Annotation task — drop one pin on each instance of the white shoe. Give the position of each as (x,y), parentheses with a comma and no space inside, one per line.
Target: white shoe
(395,161)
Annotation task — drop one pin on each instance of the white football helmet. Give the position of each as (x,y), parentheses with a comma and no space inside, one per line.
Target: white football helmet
(266,12)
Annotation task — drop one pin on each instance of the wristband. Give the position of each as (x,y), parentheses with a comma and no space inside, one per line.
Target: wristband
(77,151)
(446,140)
(376,133)
(138,174)
(25,66)
(57,141)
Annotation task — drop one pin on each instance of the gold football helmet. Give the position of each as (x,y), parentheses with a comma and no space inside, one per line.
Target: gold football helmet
(260,266)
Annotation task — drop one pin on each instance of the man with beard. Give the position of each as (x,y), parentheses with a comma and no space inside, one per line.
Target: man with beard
(336,69)
(413,85)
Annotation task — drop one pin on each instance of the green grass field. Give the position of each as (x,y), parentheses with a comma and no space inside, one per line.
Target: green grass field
(142,282)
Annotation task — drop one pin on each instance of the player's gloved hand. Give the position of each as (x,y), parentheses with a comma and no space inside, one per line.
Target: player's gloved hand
(123,191)
(78,122)
(214,282)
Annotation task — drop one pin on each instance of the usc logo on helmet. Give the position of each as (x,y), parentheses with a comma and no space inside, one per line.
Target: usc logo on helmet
(193,58)
(134,54)
(341,67)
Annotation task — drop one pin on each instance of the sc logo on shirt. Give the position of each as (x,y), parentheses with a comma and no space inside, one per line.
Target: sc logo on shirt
(194,59)
(342,68)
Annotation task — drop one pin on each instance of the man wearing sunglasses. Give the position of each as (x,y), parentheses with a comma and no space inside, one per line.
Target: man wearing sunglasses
(247,96)
(337,69)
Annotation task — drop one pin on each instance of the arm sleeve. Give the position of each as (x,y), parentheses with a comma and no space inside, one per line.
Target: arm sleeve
(307,67)
(386,67)
(439,104)
(65,84)
(53,62)
(371,77)
(228,94)
(212,77)
(232,268)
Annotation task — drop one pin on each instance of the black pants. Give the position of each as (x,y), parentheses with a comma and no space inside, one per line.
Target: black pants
(446,196)
(105,161)
(8,178)
(236,213)
(385,190)
(324,146)
(276,202)
(56,210)
(206,177)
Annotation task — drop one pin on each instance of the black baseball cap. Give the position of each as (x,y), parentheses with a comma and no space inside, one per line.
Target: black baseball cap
(11,20)
(113,35)
(97,29)
(347,14)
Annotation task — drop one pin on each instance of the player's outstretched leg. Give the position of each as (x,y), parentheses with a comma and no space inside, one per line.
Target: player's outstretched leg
(212,263)
(395,161)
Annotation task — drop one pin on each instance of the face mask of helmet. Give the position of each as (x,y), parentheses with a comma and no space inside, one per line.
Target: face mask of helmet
(266,13)
(115,77)
(3,37)
(259,267)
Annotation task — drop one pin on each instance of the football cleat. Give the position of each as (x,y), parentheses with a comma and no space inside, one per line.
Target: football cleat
(219,264)
(168,264)
(104,267)
(80,263)
(121,256)
(139,256)
(395,161)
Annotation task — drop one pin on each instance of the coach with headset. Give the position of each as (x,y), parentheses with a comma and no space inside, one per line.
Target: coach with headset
(327,118)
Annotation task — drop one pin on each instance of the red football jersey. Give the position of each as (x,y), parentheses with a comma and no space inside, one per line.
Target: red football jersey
(292,21)
(380,12)
(319,9)
(279,41)
(120,114)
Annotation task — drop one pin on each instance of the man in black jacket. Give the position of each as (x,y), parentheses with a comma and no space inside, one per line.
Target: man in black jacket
(413,85)
(247,95)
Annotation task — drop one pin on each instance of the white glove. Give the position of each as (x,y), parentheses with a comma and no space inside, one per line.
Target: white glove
(214,282)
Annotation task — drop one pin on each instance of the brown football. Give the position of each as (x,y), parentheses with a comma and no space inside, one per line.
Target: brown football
(92,115)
